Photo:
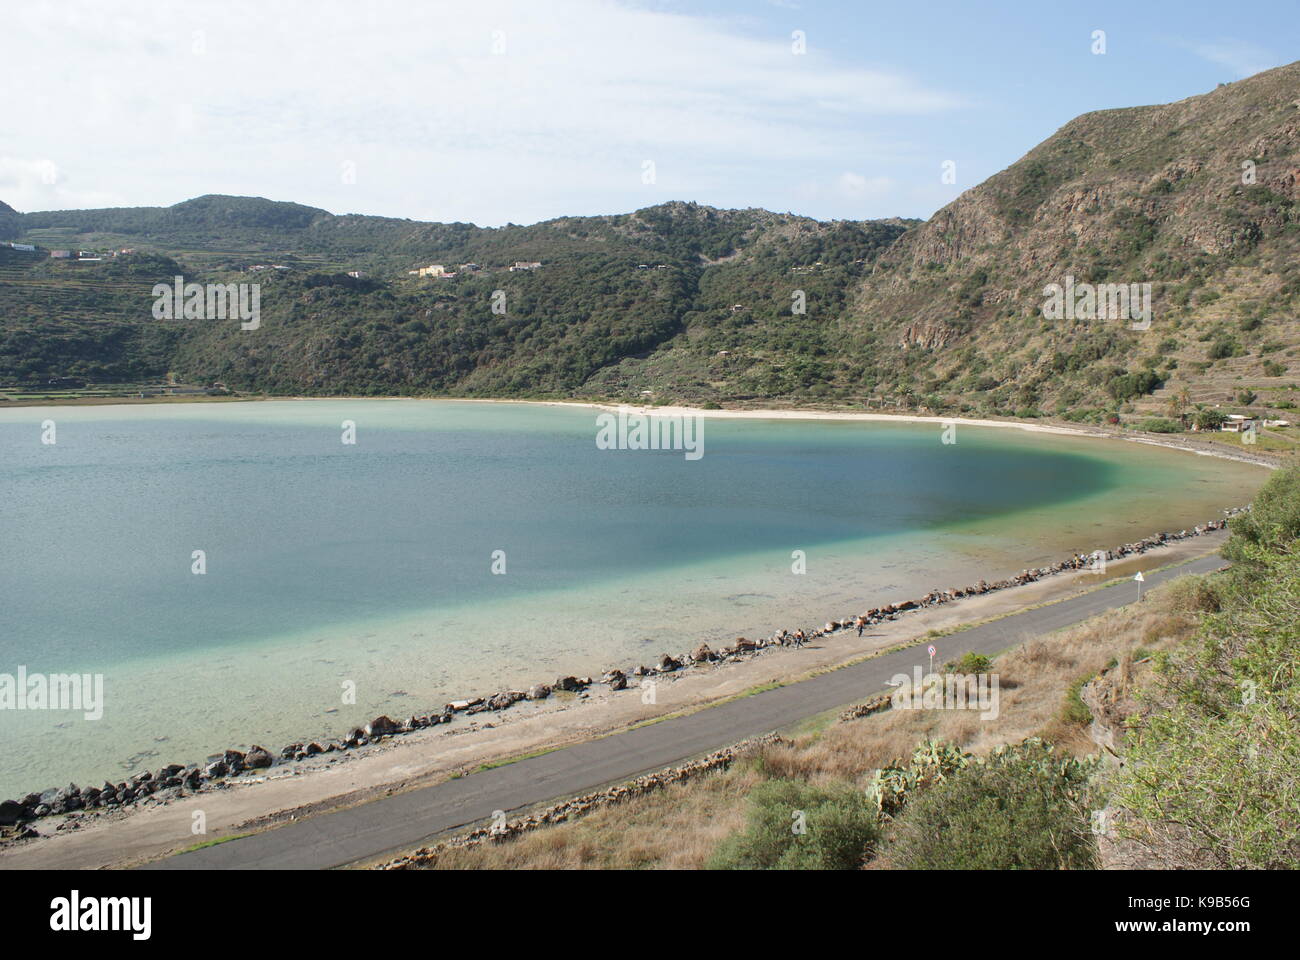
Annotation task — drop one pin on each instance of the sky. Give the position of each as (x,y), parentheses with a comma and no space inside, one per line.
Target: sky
(495,112)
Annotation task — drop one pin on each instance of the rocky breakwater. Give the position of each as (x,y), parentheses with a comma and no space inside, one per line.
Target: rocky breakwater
(175,780)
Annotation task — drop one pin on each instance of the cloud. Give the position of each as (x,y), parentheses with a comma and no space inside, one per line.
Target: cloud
(490,111)
(37,183)
(855,185)
(1242,58)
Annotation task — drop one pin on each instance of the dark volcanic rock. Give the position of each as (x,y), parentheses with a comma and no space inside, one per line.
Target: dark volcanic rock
(382,727)
(667,664)
(216,769)
(258,758)
(11,811)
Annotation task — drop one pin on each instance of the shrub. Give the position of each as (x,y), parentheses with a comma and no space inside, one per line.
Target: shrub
(1160,425)
(1222,349)
(840,827)
(1125,386)
(1273,520)
(970,664)
(1194,595)
(1023,808)
(1211,778)
(1073,710)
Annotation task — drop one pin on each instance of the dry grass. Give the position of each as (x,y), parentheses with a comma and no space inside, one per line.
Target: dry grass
(680,826)
(677,827)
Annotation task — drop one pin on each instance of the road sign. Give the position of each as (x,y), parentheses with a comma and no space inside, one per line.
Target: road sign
(932,651)
(1140,580)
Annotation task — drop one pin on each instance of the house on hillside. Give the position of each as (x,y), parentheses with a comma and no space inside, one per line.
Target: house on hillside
(61,254)
(432,270)
(525,265)
(1237,423)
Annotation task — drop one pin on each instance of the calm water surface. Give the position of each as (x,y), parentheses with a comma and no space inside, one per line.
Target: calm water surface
(372,563)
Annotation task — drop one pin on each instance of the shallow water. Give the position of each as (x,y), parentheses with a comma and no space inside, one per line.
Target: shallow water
(371,564)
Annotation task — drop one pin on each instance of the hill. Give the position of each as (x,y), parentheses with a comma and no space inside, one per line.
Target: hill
(1196,198)
(1190,204)
(608,289)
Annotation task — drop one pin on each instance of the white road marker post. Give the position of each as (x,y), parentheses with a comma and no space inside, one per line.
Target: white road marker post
(1140,580)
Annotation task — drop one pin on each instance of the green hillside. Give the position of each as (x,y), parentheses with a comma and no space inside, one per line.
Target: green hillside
(610,290)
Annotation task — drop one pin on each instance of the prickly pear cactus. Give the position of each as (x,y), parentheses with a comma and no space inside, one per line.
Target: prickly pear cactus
(932,762)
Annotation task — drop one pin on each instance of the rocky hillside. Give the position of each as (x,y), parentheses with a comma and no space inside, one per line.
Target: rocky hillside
(1197,198)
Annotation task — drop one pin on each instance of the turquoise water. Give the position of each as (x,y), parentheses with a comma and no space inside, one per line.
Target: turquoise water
(372,563)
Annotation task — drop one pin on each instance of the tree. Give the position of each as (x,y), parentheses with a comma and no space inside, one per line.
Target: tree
(1209,419)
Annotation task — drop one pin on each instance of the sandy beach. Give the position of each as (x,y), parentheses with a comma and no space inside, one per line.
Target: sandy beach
(1186,443)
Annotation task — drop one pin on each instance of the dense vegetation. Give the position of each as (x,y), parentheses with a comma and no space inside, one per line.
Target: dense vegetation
(797,826)
(1213,778)
(610,290)
(1023,808)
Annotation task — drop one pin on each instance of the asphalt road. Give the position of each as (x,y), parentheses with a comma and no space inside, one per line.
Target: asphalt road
(403,821)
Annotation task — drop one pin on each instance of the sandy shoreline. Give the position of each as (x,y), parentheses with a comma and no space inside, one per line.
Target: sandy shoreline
(430,755)
(1186,443)
(1029,426)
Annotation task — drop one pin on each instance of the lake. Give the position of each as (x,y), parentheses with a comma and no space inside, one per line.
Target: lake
(462,548)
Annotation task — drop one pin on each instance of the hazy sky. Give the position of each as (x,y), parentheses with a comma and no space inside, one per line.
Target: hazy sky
(495,112)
